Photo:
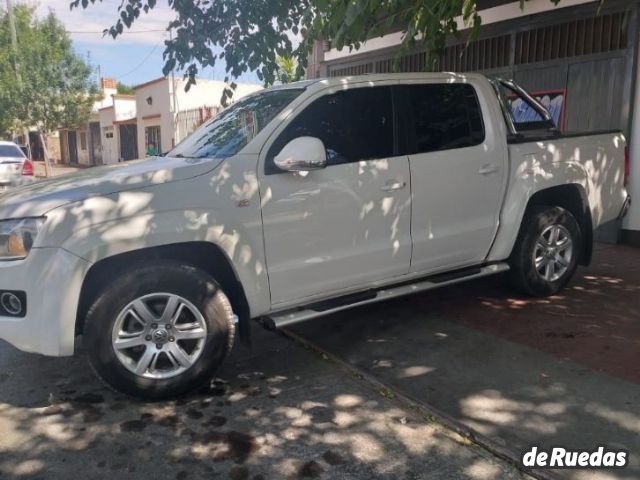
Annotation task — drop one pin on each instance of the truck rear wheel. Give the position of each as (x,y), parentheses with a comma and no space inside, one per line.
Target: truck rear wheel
(547,251)
(159,331)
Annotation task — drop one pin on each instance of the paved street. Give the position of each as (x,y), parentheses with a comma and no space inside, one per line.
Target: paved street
(515,371)
(299,416)
(283,161)
(519,371)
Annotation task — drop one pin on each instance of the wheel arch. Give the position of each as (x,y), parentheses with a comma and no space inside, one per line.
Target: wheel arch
(204,255)
(573,198)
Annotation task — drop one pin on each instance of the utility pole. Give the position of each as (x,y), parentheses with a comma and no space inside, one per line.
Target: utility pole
(175,106)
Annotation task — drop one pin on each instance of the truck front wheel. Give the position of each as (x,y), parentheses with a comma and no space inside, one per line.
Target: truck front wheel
(547,250)
(159,331)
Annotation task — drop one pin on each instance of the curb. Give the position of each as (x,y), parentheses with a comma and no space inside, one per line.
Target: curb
(445,420)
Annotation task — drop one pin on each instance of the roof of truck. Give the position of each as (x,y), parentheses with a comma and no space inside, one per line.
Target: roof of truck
(322,83)
(381,77)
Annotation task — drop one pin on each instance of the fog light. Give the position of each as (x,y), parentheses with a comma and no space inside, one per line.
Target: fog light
(11,303)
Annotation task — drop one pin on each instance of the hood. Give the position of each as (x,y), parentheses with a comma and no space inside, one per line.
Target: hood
(40,197)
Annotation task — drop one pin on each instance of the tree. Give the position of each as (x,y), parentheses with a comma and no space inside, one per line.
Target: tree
(7,77)
(125,89)
(7,120)
(55,87)
(251,34)
(287,69)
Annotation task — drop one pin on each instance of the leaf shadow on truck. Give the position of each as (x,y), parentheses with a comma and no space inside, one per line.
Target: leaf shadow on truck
(296,202)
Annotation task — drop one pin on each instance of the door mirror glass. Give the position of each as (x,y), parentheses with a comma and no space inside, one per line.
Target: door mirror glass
(302,154)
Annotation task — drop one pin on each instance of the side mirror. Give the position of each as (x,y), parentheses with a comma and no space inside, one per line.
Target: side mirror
(302,154)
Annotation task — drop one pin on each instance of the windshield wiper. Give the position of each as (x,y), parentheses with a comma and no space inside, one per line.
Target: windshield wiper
(192,157)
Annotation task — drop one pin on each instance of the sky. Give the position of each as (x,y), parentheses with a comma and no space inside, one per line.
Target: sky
(134,57)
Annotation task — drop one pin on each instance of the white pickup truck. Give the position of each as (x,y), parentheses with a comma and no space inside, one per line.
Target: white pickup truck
(295,202)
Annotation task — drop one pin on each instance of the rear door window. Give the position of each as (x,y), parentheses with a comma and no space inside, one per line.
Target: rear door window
(443,117)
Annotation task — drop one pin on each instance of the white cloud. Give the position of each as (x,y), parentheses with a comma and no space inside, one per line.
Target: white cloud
(100,15)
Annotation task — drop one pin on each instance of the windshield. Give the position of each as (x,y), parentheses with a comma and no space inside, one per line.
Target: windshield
(227,133)
(10,151)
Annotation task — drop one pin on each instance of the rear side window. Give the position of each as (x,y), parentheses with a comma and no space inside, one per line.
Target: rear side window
(354,125)
(525,115)
(445,116)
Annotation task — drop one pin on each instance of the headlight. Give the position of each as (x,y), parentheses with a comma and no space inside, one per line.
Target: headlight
(18,236)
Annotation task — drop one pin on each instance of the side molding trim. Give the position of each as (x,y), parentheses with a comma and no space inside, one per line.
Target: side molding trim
(301,314)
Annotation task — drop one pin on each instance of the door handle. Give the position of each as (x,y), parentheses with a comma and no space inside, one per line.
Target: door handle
(393,185)
(488,168)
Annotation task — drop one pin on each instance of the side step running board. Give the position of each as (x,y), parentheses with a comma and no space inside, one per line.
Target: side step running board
(318,309)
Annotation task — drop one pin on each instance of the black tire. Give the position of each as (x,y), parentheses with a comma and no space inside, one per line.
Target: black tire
(192,284)
(523,274)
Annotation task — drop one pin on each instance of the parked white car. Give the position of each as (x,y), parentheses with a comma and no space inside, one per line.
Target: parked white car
(15,167)
(296,202)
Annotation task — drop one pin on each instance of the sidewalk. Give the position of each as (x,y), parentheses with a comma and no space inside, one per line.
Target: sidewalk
(563,371)
(40,172)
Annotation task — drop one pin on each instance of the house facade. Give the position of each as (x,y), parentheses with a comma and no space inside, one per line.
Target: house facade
(159,114)
(166,113)
(118,129)
(579,57)
(82,144)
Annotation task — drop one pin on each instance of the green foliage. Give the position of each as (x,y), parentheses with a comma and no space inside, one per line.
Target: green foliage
(250,35)
(56,88)
(287,69)
(125,89)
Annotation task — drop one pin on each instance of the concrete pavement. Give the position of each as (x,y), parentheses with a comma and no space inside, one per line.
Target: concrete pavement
(520,371)
(280,412)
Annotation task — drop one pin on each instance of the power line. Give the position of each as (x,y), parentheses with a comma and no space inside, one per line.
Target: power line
(141,63)
(127,32)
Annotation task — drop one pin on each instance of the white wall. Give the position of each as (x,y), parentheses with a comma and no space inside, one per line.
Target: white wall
(106,100)
(159,110)
(207,93)
(125,108)
(163,105)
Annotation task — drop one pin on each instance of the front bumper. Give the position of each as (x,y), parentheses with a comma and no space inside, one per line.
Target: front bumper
(52,279)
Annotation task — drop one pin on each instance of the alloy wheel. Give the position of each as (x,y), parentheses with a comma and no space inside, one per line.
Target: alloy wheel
(553,252)
(159,336)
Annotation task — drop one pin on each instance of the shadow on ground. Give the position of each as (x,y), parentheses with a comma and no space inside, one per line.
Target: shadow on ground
(280,412)
(558,371)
